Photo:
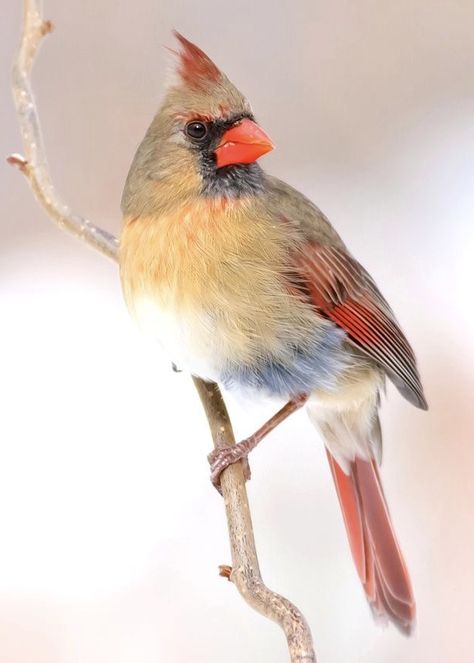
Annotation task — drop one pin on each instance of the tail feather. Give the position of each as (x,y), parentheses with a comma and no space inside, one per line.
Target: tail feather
(377,556)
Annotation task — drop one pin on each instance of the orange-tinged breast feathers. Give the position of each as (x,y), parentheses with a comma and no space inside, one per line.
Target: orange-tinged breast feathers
(215,267)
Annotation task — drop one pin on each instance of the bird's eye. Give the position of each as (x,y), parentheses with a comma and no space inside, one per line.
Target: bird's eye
(196,130)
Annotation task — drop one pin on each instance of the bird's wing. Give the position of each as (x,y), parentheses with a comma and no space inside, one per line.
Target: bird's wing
(341,290)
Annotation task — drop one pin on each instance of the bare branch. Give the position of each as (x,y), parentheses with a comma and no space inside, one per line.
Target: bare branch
(34,165)
(245,572)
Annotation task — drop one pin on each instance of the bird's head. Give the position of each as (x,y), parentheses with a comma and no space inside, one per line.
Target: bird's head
(204,139)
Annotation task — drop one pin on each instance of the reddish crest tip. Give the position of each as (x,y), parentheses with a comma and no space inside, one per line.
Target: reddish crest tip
(195,67)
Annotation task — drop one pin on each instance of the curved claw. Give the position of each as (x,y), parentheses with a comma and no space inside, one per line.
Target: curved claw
(220,459)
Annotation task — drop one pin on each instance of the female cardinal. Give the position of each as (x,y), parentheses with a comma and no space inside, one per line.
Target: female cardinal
(245,282)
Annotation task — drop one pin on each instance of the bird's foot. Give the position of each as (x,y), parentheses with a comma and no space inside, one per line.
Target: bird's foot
(220,459)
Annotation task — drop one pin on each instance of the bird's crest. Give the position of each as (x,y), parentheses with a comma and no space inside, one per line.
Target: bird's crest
(195,68)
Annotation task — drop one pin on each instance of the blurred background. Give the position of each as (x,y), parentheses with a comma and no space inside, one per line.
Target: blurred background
(110,531)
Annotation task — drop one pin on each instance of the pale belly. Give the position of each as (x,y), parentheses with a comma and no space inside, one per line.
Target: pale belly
(217,346)
(190,339)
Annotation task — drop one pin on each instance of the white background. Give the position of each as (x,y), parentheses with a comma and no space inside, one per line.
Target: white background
(110,531)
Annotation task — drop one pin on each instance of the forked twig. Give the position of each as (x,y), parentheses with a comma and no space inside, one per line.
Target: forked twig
(245,572)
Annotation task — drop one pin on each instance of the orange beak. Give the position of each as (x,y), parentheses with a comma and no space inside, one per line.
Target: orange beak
(244,143)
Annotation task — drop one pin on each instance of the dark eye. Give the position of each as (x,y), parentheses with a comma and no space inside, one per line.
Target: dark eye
(196,130)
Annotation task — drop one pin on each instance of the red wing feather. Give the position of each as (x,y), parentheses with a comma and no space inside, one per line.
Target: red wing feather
(343,291)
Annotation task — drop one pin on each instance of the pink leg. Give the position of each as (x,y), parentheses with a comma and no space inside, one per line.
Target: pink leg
(220,459)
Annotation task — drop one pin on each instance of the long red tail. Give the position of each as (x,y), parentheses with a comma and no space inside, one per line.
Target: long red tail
(374,547)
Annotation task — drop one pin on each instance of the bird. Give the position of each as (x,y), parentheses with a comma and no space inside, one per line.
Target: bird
(244,282)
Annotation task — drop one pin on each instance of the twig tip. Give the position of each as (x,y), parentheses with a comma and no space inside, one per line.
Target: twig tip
(47,27)
(225,571)
(18,161)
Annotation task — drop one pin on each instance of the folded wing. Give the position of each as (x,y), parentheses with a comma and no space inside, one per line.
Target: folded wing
(341,290)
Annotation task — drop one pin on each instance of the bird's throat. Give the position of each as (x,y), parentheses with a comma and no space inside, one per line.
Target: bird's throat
(235,181)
